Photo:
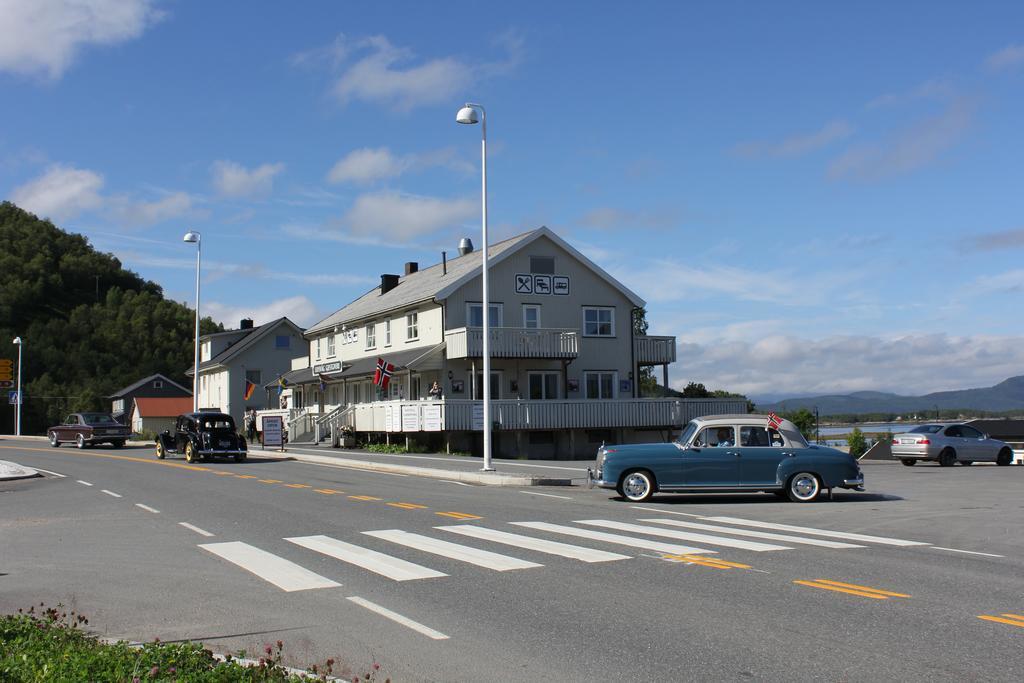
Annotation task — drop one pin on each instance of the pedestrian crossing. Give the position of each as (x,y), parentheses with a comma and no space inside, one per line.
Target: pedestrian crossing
(654,534)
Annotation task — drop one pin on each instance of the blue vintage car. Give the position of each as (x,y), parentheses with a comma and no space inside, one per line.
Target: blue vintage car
(727,453)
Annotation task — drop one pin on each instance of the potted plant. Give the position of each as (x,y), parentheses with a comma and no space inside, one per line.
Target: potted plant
(347,437)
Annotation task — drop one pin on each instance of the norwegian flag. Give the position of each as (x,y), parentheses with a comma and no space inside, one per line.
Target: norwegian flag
(382,375)
(774,421)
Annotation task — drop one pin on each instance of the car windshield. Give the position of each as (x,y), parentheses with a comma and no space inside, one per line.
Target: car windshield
(688,432)
(97,418)
(926,429)
(219,422)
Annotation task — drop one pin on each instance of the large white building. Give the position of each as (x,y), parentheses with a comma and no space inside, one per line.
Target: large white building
(564,368)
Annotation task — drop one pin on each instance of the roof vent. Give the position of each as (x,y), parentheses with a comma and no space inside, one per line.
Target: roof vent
(245,324)
(387,283)
(411,267)
(465,246)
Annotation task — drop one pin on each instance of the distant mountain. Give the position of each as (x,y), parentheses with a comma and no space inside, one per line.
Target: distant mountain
(1007,395)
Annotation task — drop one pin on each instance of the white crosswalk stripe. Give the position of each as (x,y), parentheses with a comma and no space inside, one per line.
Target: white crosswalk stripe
(379,563)
(463,553)
(631,541)
(284,574)
(684,535)
(882,540)
(574,552)
(820,542)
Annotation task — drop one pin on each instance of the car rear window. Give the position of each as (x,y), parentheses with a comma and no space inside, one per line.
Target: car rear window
(926,429)
(220,423)
(97,419)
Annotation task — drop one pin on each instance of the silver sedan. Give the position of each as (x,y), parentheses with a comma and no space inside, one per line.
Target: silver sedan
(949,444)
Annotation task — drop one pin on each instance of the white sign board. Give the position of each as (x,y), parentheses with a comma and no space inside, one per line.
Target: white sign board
(273,431)
(432,418)
(12,398)
(477,417)
(410,418)
(389,423)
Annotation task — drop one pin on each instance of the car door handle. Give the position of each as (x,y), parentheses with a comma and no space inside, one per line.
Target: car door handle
(788,455)
(736,453)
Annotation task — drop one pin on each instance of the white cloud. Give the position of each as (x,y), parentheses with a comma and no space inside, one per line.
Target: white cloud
(389,75)
(933,89)
(397,216)
(43,37)
(913,364)
(913,148)
(796,145)
(299,309)
(234,180)
(256,271)
(141,213)
(992,241)
(62,192)
(609,218)
(367,165)
(1011,55)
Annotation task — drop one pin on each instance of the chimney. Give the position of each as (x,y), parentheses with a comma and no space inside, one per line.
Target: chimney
(387,283)
(411,267)
(444,263)
(245,324)
(465,246)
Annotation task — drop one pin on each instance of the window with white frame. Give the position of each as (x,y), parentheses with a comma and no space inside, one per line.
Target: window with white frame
(598,321)
(330,346)
(531,316)
(158,384)
(412,326)
(387,333)
(599,384)
(318,345)
(475,315)
(370,333)
(543,385)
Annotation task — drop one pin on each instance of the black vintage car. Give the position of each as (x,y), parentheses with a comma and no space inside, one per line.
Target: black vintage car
(199,436)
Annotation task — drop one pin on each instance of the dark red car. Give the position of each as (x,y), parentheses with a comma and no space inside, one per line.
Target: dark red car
(86,429)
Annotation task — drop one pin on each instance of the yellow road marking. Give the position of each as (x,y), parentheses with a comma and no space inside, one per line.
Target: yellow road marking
(841,590)
(1011,622)
(363,498)
(1014,616)
(246,476)
(270,481)
(328,492)
(866,589)
(458,515)
(707,561)
(298,486)
(408,506)
(225,474)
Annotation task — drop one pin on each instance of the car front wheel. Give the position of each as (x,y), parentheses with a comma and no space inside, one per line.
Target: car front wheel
(80,441)
(160,452)
(947,458)
(1005,457)
(909,462)
(804,487)
(190,453)
(637,486)
(54,441)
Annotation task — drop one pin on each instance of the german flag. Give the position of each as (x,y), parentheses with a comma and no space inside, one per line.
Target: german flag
(249,388)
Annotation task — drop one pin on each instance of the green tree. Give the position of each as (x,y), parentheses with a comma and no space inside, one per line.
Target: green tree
(804,421)
(857,443)
(696,390)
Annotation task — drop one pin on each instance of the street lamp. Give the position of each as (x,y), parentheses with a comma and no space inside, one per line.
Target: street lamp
(17,409)
(468,115)
(193,236)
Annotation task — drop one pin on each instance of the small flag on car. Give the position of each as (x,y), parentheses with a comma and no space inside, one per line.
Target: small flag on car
(382,375)
(774,421)
(249,388)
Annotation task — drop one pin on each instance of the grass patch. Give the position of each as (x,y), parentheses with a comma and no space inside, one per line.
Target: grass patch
(49,644)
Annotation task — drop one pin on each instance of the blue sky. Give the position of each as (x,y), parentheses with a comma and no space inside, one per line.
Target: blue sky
(811,197)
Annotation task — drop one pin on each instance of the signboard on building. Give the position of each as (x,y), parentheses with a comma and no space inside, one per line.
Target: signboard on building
(432,417)
(476,421)
(560,285)
(389,423)
(410,418)
(333,366)
(527,283)
(273,431)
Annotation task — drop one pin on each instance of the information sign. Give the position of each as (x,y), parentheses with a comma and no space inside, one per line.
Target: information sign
(410,418)
(273,431)
(432,417)
(477,417)
(389,422)
(12,398)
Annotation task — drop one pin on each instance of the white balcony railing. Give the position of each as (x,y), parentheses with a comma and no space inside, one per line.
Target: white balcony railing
(655,350)
(467,415)
(513,342)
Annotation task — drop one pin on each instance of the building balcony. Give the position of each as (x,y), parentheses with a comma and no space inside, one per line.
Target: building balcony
(513,342)
(651,350)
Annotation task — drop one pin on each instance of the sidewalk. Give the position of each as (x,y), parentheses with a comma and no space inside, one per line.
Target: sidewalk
(437,466)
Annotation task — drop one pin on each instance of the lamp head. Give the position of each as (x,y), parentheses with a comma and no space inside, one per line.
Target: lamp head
(191,236)
(17,341)
(467,115)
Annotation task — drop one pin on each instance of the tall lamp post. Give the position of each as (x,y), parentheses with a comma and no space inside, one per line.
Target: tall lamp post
(193,236)
(468,115)
(17,408)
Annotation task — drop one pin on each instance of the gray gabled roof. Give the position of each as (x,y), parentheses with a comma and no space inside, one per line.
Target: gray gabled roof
(132,387)
(432,283)
(256,334)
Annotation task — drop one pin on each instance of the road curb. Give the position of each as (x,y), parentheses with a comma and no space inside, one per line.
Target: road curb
(10,471)
(486,478)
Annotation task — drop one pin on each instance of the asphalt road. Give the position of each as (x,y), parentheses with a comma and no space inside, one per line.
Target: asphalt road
(109,538)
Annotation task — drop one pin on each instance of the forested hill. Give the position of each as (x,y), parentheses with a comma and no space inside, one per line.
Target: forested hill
(89,326)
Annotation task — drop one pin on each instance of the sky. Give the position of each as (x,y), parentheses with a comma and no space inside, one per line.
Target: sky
(812,197)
